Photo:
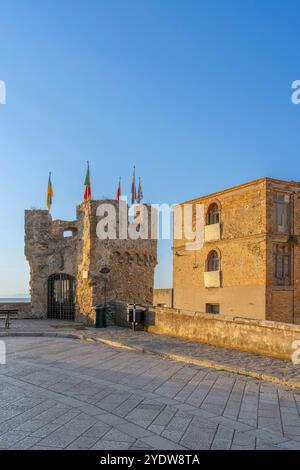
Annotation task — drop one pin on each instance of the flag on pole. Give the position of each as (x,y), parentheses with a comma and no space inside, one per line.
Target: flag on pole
(50,193)
(139,192)
(133,188)
(87,183)
(118,195)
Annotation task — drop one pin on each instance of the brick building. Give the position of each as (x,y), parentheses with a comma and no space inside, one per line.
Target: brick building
(249,264)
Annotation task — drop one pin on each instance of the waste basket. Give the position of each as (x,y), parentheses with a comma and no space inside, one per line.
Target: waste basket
(100,316)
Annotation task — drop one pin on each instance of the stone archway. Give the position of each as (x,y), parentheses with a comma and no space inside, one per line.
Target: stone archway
(61,297)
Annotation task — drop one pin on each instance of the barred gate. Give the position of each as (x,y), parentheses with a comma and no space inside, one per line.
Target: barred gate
(61,293)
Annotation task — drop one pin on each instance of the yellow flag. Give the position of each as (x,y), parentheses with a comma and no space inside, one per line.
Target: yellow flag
(50,193)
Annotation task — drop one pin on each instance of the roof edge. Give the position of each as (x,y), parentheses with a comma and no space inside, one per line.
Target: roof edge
(240,186)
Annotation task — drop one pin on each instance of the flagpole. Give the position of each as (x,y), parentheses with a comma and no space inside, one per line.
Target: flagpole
(134,202)
(133,187)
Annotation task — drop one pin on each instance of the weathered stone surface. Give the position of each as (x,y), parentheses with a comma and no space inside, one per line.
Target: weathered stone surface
(35,414)
(257,336)
(82,255)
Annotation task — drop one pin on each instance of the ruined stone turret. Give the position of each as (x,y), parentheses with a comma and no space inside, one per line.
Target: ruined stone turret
(66,269)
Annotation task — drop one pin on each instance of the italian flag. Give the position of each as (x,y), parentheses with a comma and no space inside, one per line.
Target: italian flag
(87,183)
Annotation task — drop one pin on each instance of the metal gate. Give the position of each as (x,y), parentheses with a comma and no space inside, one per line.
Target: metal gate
(61,288)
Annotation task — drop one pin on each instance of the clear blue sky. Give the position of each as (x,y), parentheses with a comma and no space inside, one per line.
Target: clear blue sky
(195,93)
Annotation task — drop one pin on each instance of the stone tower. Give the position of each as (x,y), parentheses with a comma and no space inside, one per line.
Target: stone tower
(66,257)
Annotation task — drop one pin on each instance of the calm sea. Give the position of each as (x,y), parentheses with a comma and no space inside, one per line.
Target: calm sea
(14,299)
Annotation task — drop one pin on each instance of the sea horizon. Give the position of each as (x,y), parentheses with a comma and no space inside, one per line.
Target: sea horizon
(14,299)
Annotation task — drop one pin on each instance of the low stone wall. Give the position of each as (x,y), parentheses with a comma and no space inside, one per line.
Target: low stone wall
(257,336)
(24,308)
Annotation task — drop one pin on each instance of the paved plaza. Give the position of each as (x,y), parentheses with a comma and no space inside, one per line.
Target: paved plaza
(59,393)
(203,355)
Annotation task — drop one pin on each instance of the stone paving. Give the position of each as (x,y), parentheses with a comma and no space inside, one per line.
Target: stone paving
(266,368)
(59,393)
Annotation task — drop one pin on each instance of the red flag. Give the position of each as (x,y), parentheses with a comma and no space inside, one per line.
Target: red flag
(118,195)
(87,183)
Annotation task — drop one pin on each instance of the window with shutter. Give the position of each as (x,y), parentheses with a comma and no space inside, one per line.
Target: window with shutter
(213,262)
(282,212)
(283,265)
(213,214)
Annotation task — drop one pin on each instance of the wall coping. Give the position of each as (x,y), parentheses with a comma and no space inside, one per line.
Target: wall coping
(227,319)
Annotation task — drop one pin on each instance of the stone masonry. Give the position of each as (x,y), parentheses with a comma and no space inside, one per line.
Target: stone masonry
(246,238)
(81,255)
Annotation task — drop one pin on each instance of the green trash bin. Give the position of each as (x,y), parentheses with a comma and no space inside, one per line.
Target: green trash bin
(100,316)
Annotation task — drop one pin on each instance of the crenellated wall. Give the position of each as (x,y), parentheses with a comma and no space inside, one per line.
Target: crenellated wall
(131,262)
(48,252)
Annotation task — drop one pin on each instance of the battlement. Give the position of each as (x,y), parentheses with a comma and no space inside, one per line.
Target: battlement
(77,250)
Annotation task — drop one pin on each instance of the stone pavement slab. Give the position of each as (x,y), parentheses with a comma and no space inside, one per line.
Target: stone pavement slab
(203,355)
(206,409)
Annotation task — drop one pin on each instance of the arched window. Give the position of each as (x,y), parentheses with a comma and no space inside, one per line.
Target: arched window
(213,214)
(213,262)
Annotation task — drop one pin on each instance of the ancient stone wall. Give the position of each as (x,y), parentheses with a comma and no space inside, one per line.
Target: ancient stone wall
(48,252)
(131,263)
(82,255)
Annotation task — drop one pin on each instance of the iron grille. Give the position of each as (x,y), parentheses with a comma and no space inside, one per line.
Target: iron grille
(61,290)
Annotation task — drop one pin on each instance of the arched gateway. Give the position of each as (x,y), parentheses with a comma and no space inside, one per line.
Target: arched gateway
(61,292)
(83,254)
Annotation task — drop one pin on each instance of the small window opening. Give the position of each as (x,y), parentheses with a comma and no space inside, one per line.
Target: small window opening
(68,234)
(212,308)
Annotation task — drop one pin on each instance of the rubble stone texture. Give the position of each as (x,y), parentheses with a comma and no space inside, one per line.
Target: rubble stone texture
(82,255)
